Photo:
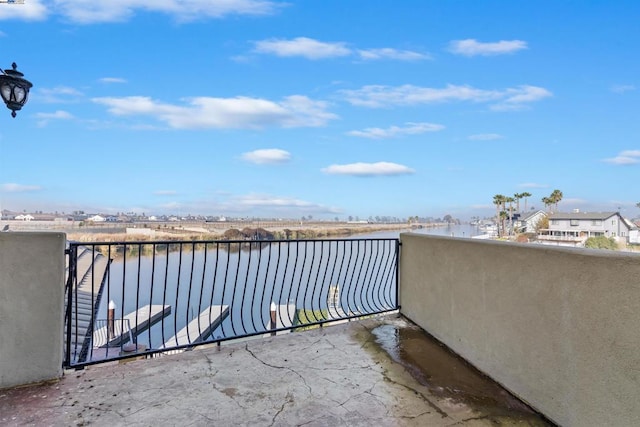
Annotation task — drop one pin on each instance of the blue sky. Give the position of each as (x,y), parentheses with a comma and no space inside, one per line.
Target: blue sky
(323,108)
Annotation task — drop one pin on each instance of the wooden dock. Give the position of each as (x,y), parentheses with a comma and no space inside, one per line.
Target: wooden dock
(147,316)
(92,267)
(199,328)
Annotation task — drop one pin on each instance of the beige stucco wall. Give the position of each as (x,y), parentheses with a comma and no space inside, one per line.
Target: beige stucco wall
(31,307)
(558,327)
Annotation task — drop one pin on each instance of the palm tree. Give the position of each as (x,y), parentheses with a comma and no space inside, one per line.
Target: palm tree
(503,217)
(510,200)
(555,197)
(517,198)
(547,202)
(524,195)
(498,200)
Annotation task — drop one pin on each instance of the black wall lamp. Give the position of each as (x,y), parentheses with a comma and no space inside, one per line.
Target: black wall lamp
(14,88)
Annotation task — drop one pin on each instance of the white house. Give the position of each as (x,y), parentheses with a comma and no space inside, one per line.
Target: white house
(634,233)
(97,218)
(529,222)
(573,229)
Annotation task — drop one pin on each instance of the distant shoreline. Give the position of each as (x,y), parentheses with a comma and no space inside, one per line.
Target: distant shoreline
(199,230)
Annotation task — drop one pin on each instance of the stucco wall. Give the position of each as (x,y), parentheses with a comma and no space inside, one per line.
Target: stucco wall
(31,306)
(558,327)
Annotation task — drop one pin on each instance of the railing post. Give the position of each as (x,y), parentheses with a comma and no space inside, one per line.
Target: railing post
(72,254)
(398,246)
(273,312)
(111,316)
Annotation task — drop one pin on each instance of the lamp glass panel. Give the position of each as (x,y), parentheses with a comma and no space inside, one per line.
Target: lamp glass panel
(5,91)
(19,93)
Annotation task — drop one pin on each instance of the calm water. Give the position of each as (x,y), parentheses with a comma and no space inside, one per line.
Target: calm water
(245,280)
(464,230)
(248,280)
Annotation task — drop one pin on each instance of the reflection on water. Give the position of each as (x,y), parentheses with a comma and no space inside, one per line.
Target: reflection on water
(448,376)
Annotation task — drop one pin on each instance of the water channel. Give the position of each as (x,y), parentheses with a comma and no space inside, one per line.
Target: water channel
(359,272)
(350,277)
(452,230)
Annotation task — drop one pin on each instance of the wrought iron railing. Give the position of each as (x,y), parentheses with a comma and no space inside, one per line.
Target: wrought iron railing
(169,296)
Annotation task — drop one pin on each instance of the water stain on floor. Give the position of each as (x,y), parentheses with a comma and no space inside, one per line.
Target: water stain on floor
(448,376)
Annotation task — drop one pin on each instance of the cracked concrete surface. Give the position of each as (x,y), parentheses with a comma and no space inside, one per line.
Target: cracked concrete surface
(334,376)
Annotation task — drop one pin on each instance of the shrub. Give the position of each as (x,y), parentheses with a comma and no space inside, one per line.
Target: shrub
(601,242)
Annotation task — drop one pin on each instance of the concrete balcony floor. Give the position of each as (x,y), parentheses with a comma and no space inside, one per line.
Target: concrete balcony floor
(375,372)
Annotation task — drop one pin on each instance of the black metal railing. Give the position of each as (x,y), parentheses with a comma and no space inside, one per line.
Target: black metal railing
(170,296)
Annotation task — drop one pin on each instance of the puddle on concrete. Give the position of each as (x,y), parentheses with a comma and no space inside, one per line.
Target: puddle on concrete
(448,376)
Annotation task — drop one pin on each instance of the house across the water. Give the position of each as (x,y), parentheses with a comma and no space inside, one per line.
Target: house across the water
(574,228)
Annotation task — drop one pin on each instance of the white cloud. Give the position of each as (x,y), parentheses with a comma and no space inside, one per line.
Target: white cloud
(305,112)
(165,193)
(45,118)
(389,53)
(369,169)
(263,205)
(627,157)
(485,137)
(257,200)
(472,47)
(31,10)
(18,188)
(60,114)
(314,49)
(302,46)
(225,113)
(377,96)
(267,156)
(523,94)
(632,153)
(394,131)
(113,80)
(86,12)
(58,94)
(270,204)
(622,88)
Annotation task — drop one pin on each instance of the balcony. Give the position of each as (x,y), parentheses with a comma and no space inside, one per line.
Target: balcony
(358,373)
(555,327)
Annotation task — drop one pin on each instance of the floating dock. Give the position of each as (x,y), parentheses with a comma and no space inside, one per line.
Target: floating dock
(199,328)
(146,317)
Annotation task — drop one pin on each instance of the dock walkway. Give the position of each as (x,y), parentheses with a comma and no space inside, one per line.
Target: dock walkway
(141,320)
(91,269)
(199,328)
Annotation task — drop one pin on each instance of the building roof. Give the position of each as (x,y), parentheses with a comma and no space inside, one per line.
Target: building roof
(583,215)
(632,225)
(532,215)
